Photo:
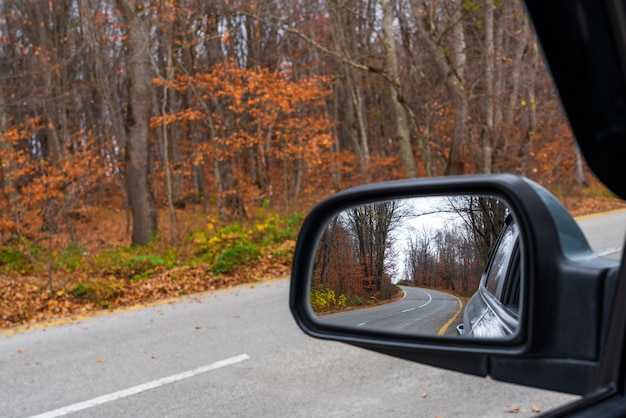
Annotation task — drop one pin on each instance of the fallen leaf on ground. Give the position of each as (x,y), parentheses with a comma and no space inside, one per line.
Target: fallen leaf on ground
(513,410)
(535,409)
(424,395)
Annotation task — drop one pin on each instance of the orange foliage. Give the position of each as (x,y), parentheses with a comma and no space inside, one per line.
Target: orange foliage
(263,122)
(53,188)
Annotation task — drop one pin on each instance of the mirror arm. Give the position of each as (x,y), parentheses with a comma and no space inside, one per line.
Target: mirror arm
(469,363)
(563,375)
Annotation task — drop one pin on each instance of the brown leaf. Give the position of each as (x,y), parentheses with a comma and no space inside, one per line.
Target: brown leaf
(100,361)
(513,410)
(424,395)
(535,409)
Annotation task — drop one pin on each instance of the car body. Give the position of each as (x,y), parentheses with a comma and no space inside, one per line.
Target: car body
(493,310)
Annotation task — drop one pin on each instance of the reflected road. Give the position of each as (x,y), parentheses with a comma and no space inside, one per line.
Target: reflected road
(421,311)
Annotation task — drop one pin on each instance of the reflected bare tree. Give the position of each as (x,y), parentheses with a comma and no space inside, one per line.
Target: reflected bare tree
(371,227)
(453,256)
(483,216)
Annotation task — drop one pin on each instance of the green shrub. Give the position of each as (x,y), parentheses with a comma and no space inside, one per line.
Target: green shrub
(134,263)
(70,258)
(324,300)
(233,246)
(100,290)
(235,256)
(12,259)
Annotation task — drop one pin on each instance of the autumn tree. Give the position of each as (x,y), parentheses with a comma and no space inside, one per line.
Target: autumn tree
(335,266)
(271,140)
(444,258)
(138,121)
(371,227)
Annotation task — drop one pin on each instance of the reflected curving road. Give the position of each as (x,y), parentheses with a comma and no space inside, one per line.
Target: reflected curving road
(420,311)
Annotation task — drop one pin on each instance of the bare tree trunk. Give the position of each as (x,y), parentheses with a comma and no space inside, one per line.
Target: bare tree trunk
(355,103)
(487,134)
(514,99)
(137,122)
(581,179)
(424,142)
(166,148)
(456,85)
(531,109)
(177,175)
(450,62)
(8,165)
(220,189)
(402,123)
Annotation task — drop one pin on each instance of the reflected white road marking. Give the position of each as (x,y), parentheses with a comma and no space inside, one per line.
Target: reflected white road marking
(142,388)
(430,298)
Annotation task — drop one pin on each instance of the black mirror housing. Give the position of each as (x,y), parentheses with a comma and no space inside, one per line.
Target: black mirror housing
(565,297)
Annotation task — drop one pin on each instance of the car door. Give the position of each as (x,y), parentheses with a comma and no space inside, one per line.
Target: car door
(493,310)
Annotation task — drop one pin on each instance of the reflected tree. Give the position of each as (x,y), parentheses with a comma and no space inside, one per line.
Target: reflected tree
(483,217)
(353,257)
(454,256)
(371,227)
(444,258)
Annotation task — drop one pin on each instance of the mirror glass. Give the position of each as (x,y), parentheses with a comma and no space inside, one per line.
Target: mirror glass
(437,265)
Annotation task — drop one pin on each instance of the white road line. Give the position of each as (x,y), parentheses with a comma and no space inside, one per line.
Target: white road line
(610,252)
(430,298)
(142,388)
(409,310)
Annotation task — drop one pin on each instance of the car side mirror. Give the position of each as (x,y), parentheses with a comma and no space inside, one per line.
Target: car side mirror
(427,265)
(488,275)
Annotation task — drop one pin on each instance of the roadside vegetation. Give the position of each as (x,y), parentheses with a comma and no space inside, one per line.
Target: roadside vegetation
(39,282)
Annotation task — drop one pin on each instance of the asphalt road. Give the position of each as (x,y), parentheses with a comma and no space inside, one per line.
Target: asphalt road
(238,353)
(420,311)
(605,233)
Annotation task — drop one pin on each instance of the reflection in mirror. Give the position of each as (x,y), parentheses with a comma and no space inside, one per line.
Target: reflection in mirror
(442,265)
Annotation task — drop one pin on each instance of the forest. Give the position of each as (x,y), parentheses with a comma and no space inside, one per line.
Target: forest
(240,115)
(441,243)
